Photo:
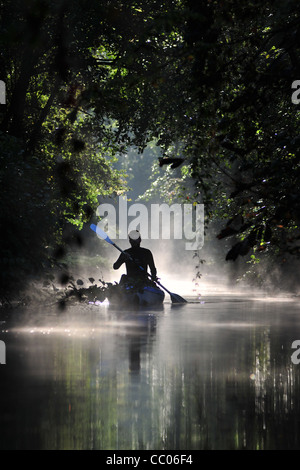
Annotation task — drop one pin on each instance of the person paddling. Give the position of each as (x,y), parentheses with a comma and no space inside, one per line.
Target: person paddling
(141,256)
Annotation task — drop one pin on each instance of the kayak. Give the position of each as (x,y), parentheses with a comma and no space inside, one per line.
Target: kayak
(149,296)
(145,296)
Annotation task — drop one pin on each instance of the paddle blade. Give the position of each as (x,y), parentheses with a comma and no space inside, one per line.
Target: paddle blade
(101,233)
(176,299)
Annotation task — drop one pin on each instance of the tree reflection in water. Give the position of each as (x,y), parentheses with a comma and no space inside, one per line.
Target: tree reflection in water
(213,376)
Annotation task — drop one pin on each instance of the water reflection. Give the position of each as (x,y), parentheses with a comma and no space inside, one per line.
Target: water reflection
(216,375)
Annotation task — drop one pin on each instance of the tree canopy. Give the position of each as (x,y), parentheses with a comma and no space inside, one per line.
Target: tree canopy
(217,78)
(209,81)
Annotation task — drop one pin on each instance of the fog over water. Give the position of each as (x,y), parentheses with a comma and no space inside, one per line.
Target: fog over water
(215,373)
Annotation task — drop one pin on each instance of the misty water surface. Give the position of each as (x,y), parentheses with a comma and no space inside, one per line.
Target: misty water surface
(211,375)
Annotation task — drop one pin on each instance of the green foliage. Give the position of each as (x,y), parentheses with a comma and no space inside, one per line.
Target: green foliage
(209,82)
(26,222)
(56,155)
(218,80)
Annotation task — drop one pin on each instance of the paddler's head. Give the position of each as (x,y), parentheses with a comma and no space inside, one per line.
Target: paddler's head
(134,238)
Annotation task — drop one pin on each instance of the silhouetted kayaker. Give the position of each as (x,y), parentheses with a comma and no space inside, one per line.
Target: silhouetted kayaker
(142,257)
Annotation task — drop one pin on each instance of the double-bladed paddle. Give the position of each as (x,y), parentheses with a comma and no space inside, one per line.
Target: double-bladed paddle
(174,297)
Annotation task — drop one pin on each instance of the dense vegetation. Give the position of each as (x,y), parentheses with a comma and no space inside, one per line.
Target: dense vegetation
(209,81)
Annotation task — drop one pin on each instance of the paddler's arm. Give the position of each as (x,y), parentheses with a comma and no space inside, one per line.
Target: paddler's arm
(122,258)
(152,265)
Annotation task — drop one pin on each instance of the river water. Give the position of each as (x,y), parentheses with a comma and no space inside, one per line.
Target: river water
(216,373)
